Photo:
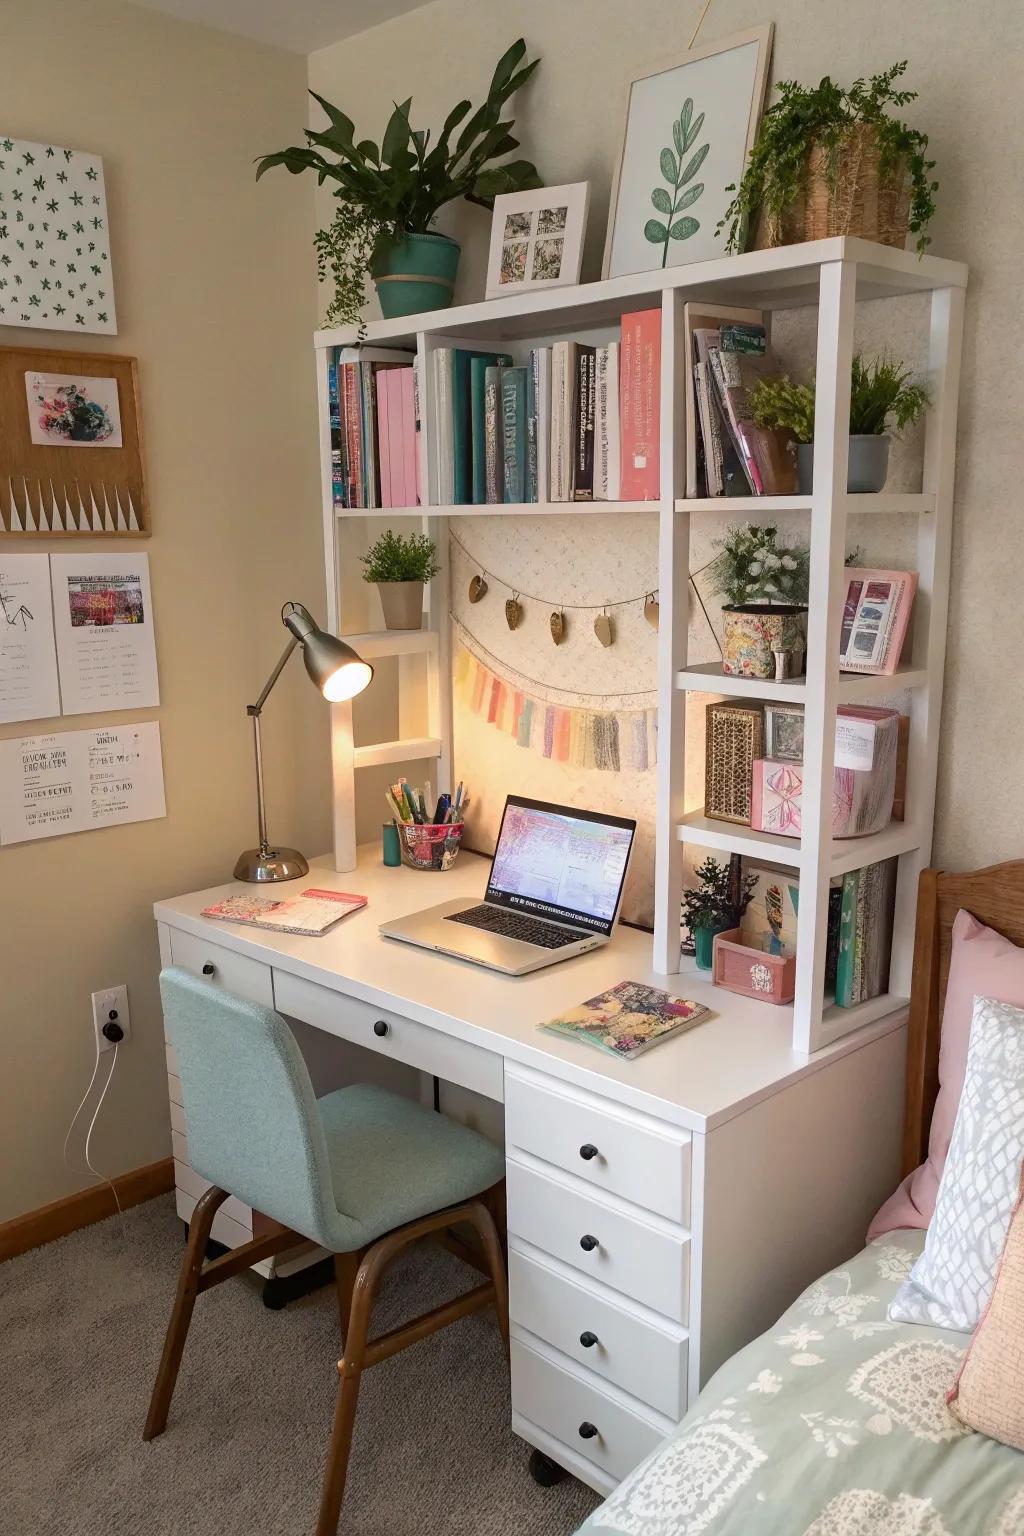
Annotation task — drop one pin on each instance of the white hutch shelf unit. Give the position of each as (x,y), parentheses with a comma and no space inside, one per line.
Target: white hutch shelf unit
(832,275)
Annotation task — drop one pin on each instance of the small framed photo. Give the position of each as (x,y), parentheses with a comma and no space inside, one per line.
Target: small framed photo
(784,732)
(537,239)
(690,124)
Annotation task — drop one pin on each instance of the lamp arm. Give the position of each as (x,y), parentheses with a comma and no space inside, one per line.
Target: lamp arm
(257,708)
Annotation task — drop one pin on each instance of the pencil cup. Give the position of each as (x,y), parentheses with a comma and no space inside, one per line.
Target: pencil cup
(430,847)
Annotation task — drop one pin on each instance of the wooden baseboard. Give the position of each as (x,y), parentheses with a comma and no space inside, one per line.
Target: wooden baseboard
(63,1216)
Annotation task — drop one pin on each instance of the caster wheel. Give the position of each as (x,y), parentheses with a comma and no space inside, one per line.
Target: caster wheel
(544,1471)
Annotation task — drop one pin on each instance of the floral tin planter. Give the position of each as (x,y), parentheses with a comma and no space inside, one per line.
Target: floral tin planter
(763,640)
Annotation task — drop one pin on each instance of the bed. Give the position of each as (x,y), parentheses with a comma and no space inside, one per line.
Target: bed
(834,1422)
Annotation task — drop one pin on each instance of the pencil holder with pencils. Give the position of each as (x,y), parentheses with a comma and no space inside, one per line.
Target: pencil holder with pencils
(430,846)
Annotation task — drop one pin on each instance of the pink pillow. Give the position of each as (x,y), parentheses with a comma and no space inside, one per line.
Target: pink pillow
(982,964)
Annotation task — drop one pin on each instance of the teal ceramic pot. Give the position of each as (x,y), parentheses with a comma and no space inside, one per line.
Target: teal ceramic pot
(416,274)
(704,944)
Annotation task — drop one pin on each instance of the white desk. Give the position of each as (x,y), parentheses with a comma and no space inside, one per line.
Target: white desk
(729,1170)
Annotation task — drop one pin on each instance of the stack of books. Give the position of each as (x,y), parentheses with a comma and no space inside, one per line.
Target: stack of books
(865,933)
(373,423)
(729,455)
(574,422)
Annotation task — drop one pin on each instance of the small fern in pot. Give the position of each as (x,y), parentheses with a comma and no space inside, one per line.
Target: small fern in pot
(399,565)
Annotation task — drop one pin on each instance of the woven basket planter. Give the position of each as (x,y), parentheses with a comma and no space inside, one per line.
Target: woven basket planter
(859,200)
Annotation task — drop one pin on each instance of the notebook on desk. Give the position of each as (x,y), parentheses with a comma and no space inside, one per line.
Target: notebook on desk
(554,891)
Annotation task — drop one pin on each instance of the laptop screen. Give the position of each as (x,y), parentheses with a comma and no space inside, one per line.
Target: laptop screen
(560,863)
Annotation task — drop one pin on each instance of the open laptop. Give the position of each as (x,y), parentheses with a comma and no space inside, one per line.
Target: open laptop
(554,891)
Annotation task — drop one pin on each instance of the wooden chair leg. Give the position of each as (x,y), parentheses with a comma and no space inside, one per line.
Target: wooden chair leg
(487,1232)
(350,1370)
(346,1267)
(181,1313)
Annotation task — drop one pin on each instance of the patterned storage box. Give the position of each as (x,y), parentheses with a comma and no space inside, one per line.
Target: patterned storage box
(751,972)
(862,798)
(733,738)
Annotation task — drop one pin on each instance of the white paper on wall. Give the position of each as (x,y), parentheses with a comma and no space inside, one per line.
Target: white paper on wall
(103,618)
(28,654)
(78,781)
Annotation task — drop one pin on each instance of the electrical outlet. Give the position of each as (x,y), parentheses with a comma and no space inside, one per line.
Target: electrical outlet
(110,1000)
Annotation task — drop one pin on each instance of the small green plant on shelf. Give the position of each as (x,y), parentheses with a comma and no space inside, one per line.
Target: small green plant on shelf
(389,191)
(721,898)
(752,566)
(824,116)
(883,395)
(401,557)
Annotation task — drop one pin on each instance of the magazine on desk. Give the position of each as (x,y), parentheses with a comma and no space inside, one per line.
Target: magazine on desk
(310,913)
(628,1019)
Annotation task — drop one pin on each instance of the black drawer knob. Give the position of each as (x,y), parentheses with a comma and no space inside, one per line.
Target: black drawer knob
(381,1028)
(209,969)
(588,1242)
(588,1339)
(587,1430)
(588,1151)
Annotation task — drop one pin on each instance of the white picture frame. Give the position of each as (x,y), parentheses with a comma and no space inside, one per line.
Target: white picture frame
(537,239)
(698,113)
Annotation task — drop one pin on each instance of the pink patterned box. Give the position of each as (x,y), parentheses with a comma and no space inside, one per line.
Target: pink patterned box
(862,796)
(752,972)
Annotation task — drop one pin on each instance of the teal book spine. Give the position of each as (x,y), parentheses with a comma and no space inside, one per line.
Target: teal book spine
(479,362)
(845,997)
(462,445)
(513,432)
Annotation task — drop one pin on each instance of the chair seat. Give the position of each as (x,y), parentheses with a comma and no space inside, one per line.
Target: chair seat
(393,1161)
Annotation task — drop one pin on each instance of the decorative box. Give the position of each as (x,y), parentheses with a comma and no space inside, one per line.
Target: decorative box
(751,972)
(733,738)
(864,780)
(784,732)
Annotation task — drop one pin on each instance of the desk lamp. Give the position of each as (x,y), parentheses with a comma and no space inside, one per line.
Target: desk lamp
(339,674)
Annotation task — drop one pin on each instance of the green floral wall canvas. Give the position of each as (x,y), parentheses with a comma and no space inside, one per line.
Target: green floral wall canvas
(688,129)
(54,239)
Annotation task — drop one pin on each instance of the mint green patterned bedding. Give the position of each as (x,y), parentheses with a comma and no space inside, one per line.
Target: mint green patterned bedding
(833,1423)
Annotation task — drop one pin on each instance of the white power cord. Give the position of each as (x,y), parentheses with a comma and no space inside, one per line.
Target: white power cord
(92,1123)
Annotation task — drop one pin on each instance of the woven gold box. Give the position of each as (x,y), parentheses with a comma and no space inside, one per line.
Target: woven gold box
(734,736)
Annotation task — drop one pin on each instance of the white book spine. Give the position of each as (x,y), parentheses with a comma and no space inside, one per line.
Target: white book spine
(444,364)
(561,421)
(612,422)
(543,355)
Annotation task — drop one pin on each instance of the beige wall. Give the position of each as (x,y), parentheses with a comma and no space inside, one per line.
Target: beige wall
(214,296)
(967,73)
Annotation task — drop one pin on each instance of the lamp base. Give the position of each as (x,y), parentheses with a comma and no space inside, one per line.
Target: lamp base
(263,866)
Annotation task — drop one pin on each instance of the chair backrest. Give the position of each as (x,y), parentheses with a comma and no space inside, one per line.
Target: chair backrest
(250,1111)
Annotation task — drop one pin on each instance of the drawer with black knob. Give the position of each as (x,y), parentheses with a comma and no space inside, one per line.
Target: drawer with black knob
(614,1148)
(596,1330)
(600,1428)
(223,968)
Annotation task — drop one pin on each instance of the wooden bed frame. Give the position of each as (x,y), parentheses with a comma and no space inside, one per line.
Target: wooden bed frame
(995,896)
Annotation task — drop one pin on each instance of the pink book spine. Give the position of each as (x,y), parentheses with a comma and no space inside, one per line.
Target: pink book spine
(640,406)
(409,437)
(384,438)
(395,432)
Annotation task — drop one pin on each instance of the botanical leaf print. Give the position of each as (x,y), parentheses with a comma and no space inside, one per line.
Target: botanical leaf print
(830,1432)
(678,168)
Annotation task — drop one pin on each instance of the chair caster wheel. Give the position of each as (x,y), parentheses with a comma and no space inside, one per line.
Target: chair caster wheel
(544,1471)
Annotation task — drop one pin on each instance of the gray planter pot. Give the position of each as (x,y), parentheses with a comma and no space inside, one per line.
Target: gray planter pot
(402,602)
(867,471)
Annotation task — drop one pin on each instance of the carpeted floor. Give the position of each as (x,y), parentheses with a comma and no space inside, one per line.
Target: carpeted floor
(81,1326)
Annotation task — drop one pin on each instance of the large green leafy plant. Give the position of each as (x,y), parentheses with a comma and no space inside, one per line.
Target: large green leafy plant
(395,189)
(882,395)
(823,115)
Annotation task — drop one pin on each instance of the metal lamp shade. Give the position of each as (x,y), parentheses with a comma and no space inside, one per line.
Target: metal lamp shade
(334,666)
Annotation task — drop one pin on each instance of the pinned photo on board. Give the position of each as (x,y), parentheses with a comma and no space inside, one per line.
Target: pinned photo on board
(73,411)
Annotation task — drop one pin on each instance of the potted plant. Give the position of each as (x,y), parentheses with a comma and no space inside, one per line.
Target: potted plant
(389,196)
(832,160)
(764,584)
(716,905)
(882,393)
(400,565)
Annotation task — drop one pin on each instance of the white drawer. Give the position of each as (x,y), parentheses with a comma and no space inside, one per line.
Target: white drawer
(174,1089)
(178,1119)
(190,1182)
(560,1402)
(234,973)
(179,1147)
(634,1354)
(429,1050)
(642,1259)
(172,1058)
(634,1157)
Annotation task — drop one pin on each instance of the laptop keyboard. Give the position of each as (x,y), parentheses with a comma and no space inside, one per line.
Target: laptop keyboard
(514,925)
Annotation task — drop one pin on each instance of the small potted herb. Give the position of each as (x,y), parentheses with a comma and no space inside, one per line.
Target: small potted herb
(400,565)
(389,195)
(764,584)
(835,160)
(882,394)
(716,905)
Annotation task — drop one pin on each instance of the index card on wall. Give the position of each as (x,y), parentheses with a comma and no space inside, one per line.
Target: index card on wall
(28,656)
(103,617)
(77,781)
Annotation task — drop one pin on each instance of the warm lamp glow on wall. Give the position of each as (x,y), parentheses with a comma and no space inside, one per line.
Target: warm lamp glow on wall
(339,674)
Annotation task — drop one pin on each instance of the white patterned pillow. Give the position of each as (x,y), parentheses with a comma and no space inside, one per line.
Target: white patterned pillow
(952,1281)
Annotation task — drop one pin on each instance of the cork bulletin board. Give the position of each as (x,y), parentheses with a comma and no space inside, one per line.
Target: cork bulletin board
(71,457)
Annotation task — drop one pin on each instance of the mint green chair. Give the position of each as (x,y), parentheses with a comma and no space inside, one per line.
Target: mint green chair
(362,1172)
